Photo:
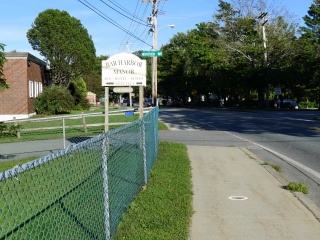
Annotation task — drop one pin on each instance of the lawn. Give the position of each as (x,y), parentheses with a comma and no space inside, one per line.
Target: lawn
(163,210)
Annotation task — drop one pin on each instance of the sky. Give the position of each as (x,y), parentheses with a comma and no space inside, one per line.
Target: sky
(113,24)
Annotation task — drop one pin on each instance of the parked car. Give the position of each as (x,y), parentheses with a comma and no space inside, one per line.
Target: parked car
(174,103)
(149,102)
(134,103)
(288,103)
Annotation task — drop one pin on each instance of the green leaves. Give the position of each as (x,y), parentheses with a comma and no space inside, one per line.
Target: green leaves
(53,100)
(65,44)
(3,84)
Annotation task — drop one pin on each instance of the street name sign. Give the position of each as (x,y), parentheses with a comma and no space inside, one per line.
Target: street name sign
(145,54)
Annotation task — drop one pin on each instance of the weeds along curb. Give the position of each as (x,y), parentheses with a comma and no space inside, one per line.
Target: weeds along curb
(310,205)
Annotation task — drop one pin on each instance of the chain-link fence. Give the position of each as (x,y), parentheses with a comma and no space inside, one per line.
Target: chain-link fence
(82,191)
(67,126)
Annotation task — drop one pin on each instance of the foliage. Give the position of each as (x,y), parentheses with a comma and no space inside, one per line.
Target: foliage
(309,58)
(93,78)
(65,44)
(78,90)
(3,84)
(12,130)
(54,100)
(229,58)
(297,187)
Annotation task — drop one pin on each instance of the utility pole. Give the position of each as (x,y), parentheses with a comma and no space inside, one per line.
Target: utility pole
(155,46)
(263,19)
(127,46)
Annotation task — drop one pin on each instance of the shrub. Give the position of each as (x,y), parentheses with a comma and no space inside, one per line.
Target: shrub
(11,131)
(54,100)
(78,90)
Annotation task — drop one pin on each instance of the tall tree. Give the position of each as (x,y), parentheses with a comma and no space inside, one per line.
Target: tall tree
(312,29)
(93,78)
(241,34)
(310,39)
(65,44)
(3,84)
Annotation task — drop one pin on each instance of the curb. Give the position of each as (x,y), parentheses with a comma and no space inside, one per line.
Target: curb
(310,205)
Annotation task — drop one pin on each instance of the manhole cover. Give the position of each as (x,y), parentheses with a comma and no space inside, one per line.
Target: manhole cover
(238,198)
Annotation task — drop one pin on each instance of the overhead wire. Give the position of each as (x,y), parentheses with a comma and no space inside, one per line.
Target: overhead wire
(104,16)
(144,32)
(132,26)
(140,21)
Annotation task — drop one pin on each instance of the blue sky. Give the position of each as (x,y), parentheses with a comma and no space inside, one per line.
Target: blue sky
(18,15)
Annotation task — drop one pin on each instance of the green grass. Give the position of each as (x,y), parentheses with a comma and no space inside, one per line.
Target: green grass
(274,166)
(46,200)
(44,130)
(163,209)
(162,126)
(297,187)
(10,164)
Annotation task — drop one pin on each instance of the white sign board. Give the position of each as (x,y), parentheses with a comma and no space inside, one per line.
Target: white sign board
(124,69)
(123,89)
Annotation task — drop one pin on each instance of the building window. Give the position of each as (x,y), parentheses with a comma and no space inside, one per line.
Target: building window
(36,89)
(31,89)
(40,87)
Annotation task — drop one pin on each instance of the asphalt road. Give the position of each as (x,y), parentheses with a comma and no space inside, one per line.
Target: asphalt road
(289,139)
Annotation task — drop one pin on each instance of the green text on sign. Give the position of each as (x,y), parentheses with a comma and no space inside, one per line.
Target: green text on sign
(151,54)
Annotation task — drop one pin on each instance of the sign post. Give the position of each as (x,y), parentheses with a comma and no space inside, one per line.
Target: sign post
(123,69)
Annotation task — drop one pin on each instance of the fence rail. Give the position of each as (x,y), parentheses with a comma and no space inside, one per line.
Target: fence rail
(82,191)
(71,129)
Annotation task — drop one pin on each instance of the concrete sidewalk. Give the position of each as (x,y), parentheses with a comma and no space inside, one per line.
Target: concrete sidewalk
(235,197)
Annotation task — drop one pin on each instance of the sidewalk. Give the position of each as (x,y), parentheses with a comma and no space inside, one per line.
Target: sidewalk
(235,197)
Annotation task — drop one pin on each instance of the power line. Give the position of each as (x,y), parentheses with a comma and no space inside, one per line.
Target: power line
(143,16)
(137,10)
(125,10)
(141,22)
(101,14)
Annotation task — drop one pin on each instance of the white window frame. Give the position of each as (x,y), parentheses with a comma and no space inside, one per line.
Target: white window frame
(36,89)
(31,89)
(40,87)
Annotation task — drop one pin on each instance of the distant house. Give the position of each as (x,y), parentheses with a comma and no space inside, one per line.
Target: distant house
(25,75)
(91,98)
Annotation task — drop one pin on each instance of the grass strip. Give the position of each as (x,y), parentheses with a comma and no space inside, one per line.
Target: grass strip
(163,209)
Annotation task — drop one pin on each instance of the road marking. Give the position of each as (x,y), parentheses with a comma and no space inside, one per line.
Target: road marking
(287,159)
(238,198)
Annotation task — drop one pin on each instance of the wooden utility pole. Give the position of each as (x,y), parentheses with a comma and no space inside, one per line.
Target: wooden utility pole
(264,37)
(155,46)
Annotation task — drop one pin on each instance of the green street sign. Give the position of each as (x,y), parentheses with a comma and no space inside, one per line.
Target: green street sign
(151,54)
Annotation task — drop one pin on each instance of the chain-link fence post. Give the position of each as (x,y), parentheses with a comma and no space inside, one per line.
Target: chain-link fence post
(105,186)
(64,132)
(144,149)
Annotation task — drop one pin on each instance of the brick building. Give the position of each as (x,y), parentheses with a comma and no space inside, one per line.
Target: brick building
(25,75)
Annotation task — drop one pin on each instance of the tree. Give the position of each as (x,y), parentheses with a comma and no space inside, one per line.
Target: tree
(65,44)
(54,100)
(310,39)
(78,90)
(3,84)
(93,78)
(241,36)
(312,29)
